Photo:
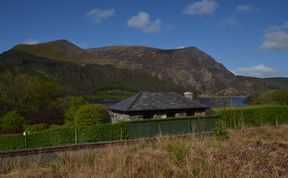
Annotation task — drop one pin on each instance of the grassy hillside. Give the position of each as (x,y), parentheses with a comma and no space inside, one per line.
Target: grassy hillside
(270,97)
(58,50)
(258,152)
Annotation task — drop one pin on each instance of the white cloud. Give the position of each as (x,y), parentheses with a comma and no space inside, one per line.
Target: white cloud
(142,21)
(258,71)
(275,41)
(230,22)
(202,7)
(31,41)
(272,28)
(98,15)
(244,8)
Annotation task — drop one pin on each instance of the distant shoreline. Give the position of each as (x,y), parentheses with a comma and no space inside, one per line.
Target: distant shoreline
(220,97)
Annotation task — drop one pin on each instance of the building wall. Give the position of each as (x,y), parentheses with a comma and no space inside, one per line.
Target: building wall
(118,117)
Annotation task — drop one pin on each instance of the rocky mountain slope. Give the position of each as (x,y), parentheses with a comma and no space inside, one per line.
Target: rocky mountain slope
(85,79)
(177,69)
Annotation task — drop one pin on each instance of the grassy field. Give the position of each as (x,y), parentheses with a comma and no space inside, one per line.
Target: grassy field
(254,152)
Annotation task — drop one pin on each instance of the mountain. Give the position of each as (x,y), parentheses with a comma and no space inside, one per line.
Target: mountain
(135,67)
(187,67)
(84,78)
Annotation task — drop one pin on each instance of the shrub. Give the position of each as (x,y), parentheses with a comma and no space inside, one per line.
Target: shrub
(36,127)
(92,114)
(48,115)
(177,151)
(270,97)
(221,131)
(74,104)
(12,119)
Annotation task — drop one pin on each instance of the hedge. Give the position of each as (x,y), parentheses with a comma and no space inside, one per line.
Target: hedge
(66,135)
(11,142)
(252,116)
(232,118)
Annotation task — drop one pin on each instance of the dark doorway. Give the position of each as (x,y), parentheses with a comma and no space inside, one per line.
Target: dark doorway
(170,114)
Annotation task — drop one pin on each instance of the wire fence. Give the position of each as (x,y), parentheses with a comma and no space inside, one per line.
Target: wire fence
(146,128)
(108,132)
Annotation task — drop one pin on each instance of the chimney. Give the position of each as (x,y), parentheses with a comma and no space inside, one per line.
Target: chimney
(189,95)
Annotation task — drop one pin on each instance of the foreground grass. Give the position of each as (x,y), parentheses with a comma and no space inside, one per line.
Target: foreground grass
(255,152)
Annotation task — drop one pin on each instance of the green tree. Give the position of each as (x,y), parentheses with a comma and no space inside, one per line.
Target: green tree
(92,114)
(12,119)
(271,97)
(75,103)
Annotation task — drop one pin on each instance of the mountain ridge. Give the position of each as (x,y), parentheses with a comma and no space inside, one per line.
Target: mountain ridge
(188,68)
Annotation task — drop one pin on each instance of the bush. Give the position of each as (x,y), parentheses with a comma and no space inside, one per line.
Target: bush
(270,97)
(92,114)
(177,151)
(36,127)
(221,131)
(12,120)
(48,115)
(75,103)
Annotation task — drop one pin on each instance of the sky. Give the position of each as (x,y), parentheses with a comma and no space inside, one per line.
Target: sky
(250,37)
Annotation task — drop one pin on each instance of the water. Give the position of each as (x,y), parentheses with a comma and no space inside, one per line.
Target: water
(223,101)
(104,102)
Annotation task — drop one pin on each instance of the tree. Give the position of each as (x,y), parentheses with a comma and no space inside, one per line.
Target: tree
(48,116)
(270,97)
(75,103)
(12,119)
(92,114)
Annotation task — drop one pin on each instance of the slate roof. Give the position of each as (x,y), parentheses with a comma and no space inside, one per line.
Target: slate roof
(156,101)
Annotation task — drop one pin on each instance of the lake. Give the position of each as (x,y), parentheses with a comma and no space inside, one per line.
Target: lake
(223,101)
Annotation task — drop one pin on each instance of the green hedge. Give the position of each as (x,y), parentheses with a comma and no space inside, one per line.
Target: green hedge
(65,136)
(11,142)
(252,116)
(170,126)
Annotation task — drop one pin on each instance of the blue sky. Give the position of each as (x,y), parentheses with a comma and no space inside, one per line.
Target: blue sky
(250,37)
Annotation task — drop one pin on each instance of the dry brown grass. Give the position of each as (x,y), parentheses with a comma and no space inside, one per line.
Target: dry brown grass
(257,152)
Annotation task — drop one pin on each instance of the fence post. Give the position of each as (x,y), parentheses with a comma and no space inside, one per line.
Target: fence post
(234,122)
(159,127)
(276,122)
(75,135)
(25,141)
(121,133)
(190,125)
(261,121)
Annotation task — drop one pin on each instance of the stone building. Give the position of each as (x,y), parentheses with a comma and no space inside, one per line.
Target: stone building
(145,105)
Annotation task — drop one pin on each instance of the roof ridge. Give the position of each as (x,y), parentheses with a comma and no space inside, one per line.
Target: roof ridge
(136,99)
